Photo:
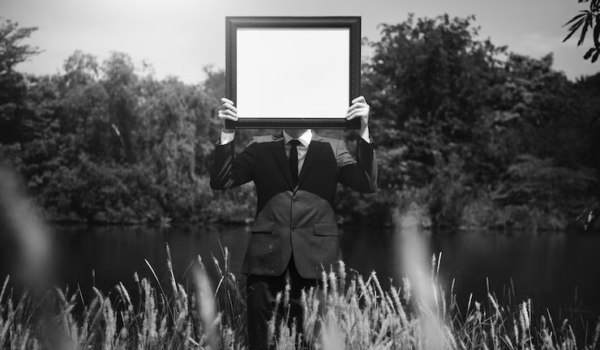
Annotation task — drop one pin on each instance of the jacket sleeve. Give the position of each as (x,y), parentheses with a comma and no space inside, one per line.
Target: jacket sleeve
(227,170)
(360,174)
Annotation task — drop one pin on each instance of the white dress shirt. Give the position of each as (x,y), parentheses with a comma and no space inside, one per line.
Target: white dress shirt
(302,148)
(304,139)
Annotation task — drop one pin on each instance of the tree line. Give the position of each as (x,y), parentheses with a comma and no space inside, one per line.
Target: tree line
(476,135)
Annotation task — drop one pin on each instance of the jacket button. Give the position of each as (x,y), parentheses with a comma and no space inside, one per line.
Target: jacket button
(293,228)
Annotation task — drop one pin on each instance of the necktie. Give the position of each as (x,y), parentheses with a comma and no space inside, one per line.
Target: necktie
(293,159)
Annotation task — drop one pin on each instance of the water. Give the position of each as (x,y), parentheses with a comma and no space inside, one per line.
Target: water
(558,271)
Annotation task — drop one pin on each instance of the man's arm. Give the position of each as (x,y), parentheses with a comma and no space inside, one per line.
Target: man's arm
(228,171)
(360,174)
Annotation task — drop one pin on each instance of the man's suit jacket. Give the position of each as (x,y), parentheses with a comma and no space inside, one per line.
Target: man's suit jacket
(298,220)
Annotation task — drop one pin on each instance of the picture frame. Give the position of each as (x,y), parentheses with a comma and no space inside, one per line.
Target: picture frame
(293,72)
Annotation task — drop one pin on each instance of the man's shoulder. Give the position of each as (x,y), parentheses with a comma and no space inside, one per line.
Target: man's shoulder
(330,140)
(261,139)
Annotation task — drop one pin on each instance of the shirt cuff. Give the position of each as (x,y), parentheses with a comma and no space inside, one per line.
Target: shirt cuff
(227,137)
(365,135)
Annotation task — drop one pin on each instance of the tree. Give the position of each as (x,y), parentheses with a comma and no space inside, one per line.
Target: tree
(120,83)
(427,83)
(85,102)
(585,21)
(13,52)
(13,85)
(468,125)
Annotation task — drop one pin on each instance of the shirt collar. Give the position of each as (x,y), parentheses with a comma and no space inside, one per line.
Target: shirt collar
(304,138)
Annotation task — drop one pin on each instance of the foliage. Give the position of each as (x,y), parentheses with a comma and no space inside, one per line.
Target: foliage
(105,142)
(452,113)
(13,85)
(452,116)
(585,21)
(354,315)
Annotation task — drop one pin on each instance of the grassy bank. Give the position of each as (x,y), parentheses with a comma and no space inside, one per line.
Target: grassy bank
(357,314)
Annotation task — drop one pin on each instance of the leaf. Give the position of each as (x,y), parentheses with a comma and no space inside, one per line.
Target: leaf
(597,32)
(595,57)
(588,23)
(589,53)
(575,18)
(574,29)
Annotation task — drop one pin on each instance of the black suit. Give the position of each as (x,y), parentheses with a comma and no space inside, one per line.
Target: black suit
(294,223)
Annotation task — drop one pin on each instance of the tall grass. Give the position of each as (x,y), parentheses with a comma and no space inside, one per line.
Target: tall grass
(346,313)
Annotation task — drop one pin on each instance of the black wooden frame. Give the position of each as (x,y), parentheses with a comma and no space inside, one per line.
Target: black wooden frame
(233,23)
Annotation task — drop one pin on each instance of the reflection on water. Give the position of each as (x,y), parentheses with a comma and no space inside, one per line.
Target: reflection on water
(554,270)
(115,253)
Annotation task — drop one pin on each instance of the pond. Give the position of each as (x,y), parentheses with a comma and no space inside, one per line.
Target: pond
(558,271)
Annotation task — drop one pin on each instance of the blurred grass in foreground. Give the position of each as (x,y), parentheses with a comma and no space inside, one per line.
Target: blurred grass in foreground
(357,314)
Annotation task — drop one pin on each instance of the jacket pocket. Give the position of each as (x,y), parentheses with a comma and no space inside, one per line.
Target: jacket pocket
(326,230)
(264,227)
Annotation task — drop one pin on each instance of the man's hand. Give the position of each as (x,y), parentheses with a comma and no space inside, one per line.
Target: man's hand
(359,109)
(227,111)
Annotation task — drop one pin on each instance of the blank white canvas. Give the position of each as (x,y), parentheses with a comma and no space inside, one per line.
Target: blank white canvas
(293,73)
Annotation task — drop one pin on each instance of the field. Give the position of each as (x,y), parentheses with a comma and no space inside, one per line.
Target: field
(357,314)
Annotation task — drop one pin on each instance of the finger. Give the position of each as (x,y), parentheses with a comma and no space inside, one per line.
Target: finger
(226,100)
(230,107)
(229,112)
(357,105)
(226,116)
(360,110)
(359,99)
(361,113)
(353,115)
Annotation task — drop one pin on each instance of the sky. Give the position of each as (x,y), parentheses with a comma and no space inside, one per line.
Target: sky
(180,37)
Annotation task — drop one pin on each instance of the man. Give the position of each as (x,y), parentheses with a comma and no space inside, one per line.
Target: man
(295,232)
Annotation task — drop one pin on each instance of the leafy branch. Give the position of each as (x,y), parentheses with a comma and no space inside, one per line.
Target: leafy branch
(585,21)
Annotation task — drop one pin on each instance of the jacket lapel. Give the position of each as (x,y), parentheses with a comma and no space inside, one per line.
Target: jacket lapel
(313,150)
(282,159)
